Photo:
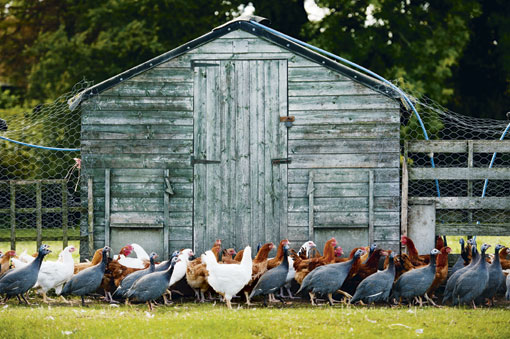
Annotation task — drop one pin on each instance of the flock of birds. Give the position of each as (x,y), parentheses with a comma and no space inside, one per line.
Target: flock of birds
(368,275)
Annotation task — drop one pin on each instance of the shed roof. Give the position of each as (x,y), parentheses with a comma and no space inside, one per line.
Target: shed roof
(245,24)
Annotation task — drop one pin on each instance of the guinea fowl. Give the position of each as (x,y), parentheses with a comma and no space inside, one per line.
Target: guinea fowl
(377,287)
(129,280)
(472,283)
(88,280)
(259,267)
(415,283)
(463,258)
(496,276)
(360,271)
(272,280)
(450,284)
(19,281)
(166,264)
(327,279)
(152,285)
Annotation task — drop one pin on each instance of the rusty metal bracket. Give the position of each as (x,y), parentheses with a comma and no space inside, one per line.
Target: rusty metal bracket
(281,161)
(194,161)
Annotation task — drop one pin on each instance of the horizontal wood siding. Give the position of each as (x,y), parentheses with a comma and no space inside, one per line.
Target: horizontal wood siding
(138,129)
(342,130)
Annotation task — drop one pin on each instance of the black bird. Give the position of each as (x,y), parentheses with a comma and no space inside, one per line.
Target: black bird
(496,276)
(19,281)
(130,279)
(327,279)
(463,258)
(472,283)
(450,284)
(166,264)
(272,280)
(152,285)
(415,283)
(376,287)
(88,280)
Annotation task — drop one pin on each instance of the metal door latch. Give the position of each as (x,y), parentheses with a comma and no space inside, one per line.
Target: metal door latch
(288,120)
(194,161)
(281,161)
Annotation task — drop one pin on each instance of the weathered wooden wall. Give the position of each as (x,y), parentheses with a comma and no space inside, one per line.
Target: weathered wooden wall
(342,131)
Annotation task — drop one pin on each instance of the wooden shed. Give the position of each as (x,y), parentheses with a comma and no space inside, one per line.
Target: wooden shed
(242,135)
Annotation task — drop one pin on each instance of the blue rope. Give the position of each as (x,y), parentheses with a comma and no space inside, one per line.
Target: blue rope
(375,75)
(41,147)
(492,161)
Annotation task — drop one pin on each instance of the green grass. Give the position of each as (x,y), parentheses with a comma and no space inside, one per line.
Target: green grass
(31,248)
(200,321)
(453,242)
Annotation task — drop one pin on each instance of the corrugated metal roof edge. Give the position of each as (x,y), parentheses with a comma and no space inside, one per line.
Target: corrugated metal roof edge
(223,30)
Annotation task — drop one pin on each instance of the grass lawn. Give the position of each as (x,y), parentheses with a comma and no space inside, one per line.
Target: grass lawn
(55,247)
(453,242)
(207,320)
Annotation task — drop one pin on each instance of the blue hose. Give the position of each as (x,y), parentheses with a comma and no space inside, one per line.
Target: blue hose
(492,161)
(41,147)
(375,75)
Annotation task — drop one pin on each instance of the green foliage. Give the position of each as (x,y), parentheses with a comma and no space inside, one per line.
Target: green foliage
(419,41)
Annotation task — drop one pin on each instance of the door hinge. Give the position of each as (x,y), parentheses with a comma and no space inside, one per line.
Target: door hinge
(281,161)
(194,161)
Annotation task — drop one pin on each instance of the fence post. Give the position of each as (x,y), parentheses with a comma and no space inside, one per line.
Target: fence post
(470,183)
(91,217)
(13,215)
(370,206)
(405,193)
(65,216)
(38,199)
(107,207)
(310,191)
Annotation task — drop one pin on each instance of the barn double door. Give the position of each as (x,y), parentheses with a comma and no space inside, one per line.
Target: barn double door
(240,152)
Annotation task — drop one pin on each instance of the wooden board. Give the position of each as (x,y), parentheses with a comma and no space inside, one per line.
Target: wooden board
(241,199)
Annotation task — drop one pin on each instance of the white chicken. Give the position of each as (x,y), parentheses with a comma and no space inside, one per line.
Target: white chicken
(179,270)
(228,280)
(180,267)
(53,274)
(139,262)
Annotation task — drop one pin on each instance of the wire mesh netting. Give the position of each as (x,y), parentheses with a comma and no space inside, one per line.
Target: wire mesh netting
(455,130)
(39,184)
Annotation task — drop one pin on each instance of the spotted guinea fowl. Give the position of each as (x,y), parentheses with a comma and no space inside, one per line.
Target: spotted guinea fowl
(415,283)
(472,283)
(152,285)
(19,281)
(496,276)
(272,280)
(376,287)
(450,283)
(166,264)
(463,258)
(129,280)
(88,280)
(327,279)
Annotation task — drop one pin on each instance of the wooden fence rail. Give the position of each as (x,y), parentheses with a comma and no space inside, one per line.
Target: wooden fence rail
(64,210)
(469,173)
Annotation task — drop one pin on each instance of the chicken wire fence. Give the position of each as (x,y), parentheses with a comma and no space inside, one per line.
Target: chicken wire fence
(465,148)
(40,172)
